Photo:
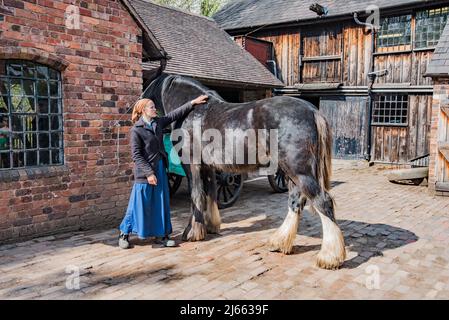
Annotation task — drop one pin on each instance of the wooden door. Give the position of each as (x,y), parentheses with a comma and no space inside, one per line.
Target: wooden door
(347,117)
(321,55)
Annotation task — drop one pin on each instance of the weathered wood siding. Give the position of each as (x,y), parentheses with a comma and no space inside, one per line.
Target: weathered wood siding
(357,56)
(310,56)
(286,46)
(321,55)
(405,68)
(347,117)
(401,144)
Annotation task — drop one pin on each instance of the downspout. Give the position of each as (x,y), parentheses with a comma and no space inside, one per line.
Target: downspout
(372,77)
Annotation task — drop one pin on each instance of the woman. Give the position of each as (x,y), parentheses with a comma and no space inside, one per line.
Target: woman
(148,213)
(4,141)
(4,130)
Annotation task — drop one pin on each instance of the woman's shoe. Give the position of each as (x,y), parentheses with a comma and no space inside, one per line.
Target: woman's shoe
(165,241)
(169,243)
(123,241)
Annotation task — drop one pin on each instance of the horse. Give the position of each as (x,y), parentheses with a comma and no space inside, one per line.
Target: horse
(304,141)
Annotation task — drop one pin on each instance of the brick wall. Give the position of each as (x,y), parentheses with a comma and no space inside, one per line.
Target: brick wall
(100,64)
(440,97)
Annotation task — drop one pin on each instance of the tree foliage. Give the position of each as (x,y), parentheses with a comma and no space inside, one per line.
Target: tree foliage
(203,7)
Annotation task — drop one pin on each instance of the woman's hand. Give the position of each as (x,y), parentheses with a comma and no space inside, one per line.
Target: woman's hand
(152,180)
(200,100)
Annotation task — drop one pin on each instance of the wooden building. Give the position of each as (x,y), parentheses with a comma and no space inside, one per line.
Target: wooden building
(369,82)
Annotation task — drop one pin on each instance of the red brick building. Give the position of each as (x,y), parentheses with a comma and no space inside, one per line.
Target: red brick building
(439,144)
(69,70)
(94,72)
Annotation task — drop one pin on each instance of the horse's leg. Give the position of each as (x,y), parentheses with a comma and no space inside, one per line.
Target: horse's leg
(282,239)
(333,252)
(212,215)
(196,230)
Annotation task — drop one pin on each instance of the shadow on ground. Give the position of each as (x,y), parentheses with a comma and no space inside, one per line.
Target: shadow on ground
(365,239)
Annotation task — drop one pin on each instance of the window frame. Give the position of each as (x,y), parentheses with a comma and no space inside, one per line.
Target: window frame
(394,47)
(413,29)
(395,108)
(54,112)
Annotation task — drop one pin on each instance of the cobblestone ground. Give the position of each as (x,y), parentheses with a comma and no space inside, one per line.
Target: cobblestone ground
(397,239)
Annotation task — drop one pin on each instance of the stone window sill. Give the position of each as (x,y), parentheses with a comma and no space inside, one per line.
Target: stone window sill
(33,173)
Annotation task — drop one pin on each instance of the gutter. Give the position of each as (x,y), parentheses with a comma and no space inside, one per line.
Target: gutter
(360,90)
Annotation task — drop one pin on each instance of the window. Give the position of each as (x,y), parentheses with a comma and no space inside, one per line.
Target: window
(395,31)
(390,110)
(31,128)
(429,27)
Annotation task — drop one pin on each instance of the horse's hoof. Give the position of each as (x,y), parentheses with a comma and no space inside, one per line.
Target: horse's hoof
(194,234)
(275,246)
(329,262)
(274,249)
(213,230)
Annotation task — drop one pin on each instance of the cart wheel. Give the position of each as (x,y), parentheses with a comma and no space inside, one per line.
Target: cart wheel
(278,182)
(228,189)
(174,182)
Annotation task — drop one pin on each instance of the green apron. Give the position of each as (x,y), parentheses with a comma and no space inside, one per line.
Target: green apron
(174,162)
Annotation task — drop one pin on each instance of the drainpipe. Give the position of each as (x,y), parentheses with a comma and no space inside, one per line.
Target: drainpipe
(372,77)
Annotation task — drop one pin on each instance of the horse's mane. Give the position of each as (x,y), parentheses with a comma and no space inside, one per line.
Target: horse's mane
(196,84)
(156,87)
(162,84)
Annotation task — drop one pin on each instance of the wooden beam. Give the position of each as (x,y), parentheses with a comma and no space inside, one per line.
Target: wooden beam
(322,58)
(445,110)
(444,149)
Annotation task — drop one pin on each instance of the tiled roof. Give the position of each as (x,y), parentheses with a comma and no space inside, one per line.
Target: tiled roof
(200,49)
(253,13)
(439,65)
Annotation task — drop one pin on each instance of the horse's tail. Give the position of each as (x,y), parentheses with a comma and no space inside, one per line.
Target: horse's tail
(324,154)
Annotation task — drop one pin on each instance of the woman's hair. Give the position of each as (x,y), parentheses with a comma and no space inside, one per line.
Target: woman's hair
(138,109)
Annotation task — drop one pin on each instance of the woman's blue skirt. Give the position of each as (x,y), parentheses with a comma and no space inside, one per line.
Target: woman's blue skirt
(148,213)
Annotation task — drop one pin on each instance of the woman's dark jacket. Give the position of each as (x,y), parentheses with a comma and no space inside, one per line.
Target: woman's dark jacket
(147,146)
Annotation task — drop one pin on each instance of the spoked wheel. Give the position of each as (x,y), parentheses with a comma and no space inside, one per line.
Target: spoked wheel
(279,182)
(228,189)
(174,182)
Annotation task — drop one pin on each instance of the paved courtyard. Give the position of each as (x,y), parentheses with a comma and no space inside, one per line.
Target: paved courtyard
(397,239)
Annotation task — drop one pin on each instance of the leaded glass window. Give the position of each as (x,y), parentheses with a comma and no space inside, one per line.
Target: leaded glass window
(395,31)
(31,127)
(429,26)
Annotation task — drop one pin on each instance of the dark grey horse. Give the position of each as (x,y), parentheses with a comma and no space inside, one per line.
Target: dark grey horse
(303,152)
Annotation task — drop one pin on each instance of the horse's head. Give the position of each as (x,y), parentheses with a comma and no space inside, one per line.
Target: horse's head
(155,89)
(170,92)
